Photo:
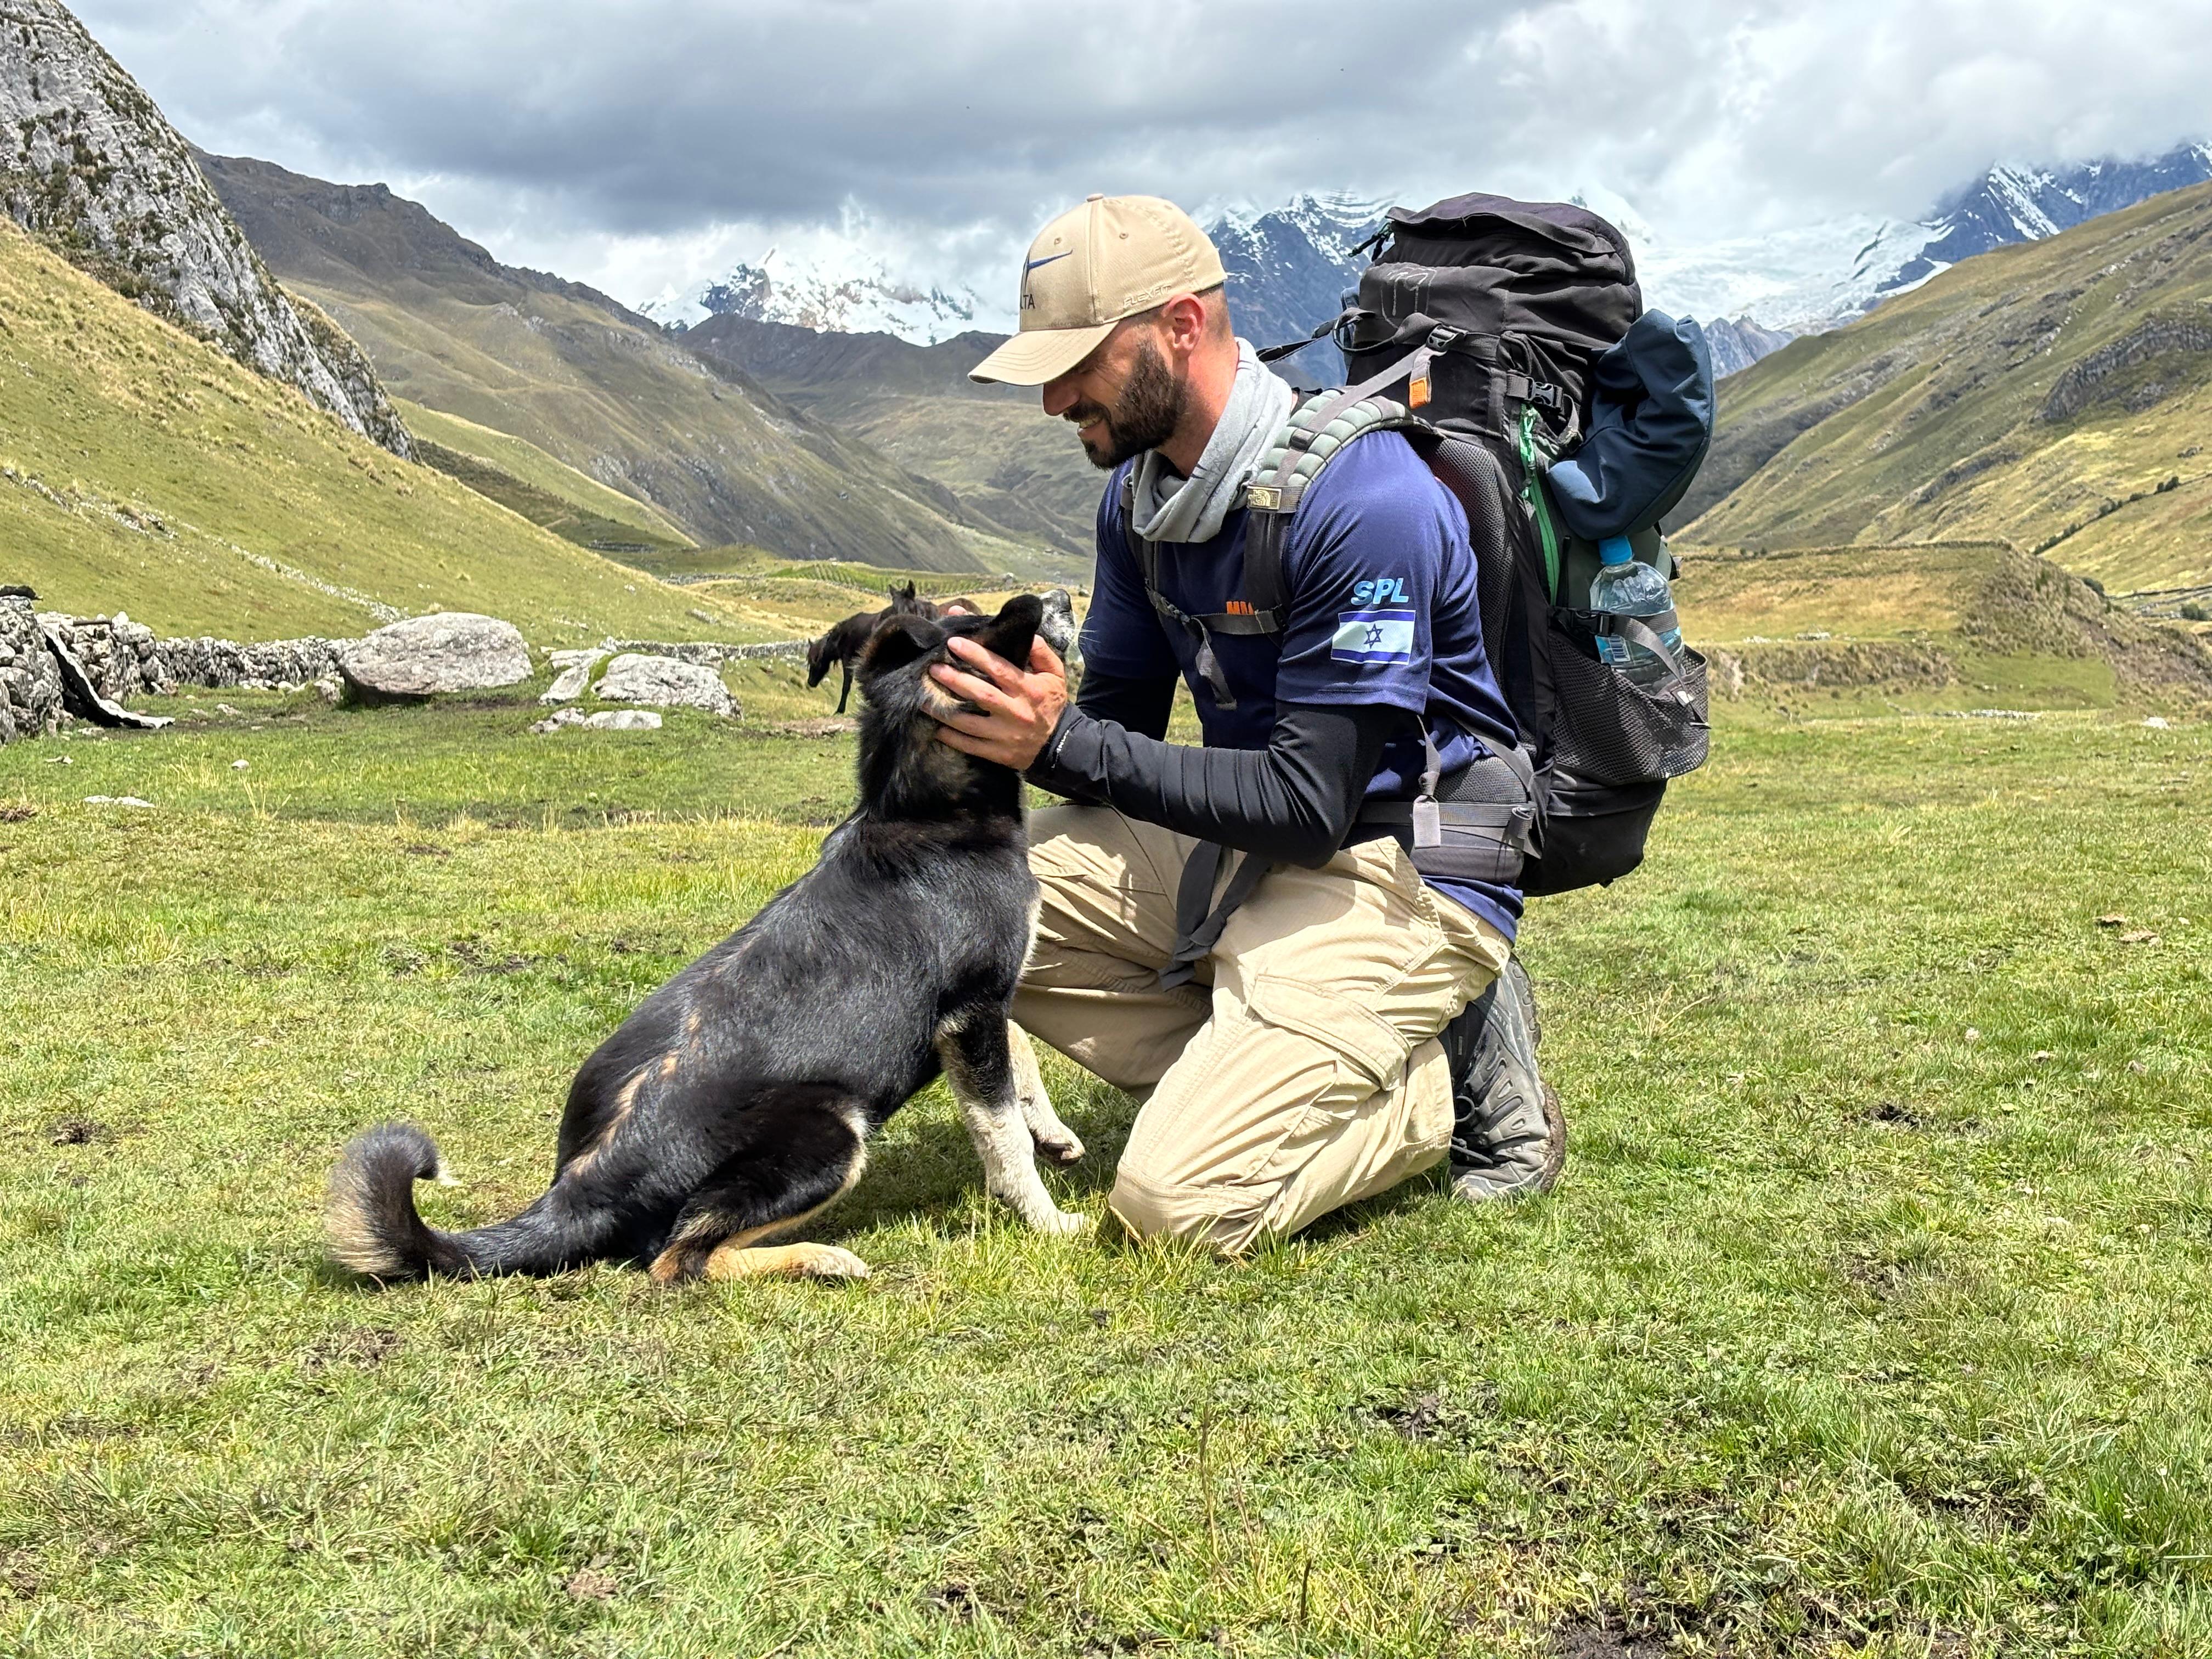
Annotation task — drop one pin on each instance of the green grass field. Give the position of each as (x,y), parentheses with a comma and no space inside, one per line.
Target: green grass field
(1871,1316)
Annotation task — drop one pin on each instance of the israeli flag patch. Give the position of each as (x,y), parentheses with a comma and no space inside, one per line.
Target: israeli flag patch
(1373,636)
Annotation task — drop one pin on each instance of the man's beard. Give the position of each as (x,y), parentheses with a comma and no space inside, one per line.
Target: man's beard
(1144,416)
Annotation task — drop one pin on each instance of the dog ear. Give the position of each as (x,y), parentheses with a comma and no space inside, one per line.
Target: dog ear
(898,640)
(1011,632)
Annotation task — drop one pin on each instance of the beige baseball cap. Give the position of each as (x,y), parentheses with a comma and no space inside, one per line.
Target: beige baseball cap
(1111,258)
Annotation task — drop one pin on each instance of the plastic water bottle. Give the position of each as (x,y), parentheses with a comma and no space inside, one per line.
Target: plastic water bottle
(1627,587)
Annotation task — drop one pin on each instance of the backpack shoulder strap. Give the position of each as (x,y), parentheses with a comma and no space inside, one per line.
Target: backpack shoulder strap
(1318,429)
(1320,425)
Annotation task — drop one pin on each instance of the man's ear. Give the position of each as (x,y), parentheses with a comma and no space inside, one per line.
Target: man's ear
(1013,630)
(897,640)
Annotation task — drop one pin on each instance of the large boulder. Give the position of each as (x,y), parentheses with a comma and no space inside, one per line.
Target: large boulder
(446,651)
(665,682)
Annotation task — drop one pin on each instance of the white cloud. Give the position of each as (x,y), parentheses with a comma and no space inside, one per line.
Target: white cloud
(607,140)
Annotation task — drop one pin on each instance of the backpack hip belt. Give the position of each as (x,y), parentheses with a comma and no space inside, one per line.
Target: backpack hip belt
(1479,826)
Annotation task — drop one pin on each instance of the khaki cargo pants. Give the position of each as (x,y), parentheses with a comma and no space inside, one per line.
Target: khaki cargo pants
(1299,1072)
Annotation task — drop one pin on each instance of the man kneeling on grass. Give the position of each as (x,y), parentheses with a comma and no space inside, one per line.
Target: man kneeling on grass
(1298,1037)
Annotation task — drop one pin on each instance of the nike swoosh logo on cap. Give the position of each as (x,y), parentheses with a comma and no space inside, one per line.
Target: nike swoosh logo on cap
(1033,264)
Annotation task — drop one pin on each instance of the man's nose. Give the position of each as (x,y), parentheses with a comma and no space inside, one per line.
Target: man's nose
(1059,396)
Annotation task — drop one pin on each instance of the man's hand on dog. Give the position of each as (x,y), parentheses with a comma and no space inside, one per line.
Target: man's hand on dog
(1018,711)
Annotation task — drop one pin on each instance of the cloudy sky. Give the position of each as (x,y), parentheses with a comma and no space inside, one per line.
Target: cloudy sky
(636,143)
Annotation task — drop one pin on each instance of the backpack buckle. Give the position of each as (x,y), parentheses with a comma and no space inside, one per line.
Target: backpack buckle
(1443,336)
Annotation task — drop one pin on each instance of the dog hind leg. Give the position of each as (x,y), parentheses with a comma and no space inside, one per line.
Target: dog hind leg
(1053,1138)
(979,1065)
(804,1161)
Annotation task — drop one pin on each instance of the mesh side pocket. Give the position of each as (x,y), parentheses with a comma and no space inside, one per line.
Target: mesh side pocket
(1609,730)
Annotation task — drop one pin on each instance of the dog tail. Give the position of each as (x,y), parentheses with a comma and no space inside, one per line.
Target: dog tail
(373,1228)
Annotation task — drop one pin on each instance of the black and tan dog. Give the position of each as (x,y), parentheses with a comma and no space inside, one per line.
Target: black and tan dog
(738,1101)
(844,642)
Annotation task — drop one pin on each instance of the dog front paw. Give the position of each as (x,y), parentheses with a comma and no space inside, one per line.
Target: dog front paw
(1060,1224)
(1060,1148)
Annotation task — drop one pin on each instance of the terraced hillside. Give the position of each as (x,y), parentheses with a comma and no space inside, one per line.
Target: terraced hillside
(2057,395)
(143,470)
(598,387)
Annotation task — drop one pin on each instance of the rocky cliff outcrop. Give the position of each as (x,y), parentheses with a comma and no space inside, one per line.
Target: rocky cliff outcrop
(89,164)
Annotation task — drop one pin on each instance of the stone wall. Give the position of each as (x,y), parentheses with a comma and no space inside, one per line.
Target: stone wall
(125,661)
(709,653)
(121,656)
(264,665)
(30,683)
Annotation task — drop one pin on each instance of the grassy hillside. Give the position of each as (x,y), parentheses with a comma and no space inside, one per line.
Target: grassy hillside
(142,470)
(518,474)
(600,389)
(992,444)
(1935,625)
(2058,395)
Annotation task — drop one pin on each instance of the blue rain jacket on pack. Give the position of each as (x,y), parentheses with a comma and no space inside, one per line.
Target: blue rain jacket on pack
(1650,425)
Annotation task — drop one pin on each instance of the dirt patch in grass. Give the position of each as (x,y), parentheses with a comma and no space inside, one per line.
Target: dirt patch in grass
(363,1347)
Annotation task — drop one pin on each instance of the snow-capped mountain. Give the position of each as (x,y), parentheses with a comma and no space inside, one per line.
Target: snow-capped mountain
(2015,204)
(846,291)
(1289,268)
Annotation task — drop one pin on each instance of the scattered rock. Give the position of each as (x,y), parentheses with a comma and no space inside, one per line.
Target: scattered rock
(2044,1054)
(574,674)
(331,689)
(238,766)
(606,720)
(2157,723)
(665,682)
(115,800)
(2115,920)
(17,814)
(2140,936)
(423,656)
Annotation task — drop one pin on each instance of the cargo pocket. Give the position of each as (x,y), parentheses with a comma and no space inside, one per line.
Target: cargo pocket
(1364,1152)
(1367,1048)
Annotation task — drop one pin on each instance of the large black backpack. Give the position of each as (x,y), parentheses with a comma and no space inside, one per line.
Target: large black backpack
(1484,319)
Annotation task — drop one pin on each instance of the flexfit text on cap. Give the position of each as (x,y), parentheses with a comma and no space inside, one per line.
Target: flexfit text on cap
(1111,258)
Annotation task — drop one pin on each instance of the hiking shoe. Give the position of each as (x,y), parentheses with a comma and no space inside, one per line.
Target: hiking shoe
(1508,1136)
